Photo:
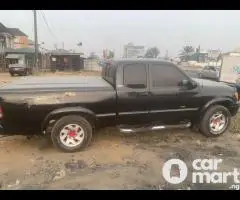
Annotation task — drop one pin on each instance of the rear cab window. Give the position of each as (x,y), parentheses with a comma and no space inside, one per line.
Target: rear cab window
(109,73)
(135,75)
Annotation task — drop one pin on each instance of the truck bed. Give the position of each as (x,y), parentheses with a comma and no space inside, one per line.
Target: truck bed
(56,83)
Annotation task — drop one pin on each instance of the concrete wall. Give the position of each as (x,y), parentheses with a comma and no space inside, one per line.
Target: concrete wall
(92,65)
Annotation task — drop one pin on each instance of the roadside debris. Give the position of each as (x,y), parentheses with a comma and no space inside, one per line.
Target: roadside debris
(59,175)
(74,165)
(14,185)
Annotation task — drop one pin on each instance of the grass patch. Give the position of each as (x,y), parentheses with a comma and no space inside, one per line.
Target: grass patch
(235,126)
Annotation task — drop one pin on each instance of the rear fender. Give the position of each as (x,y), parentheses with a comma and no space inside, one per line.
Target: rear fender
(55,114)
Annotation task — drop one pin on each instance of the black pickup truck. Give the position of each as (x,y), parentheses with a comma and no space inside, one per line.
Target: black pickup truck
(135,95)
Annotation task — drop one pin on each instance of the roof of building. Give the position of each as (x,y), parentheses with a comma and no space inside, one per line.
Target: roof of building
(20,50)
(140,60)
(61,52)
(4,29)
(12,31)
(16,32)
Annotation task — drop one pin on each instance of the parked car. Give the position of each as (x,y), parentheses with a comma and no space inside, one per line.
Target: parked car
(134,95)
(19,69)
(210,72)
(193,73)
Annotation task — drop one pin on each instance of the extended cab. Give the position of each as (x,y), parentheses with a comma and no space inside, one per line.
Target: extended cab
(135,95)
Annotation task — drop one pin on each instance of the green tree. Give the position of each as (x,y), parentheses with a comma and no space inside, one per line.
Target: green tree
(152,52)
(186,50)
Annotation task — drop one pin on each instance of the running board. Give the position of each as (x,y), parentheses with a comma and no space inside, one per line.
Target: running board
(152,128)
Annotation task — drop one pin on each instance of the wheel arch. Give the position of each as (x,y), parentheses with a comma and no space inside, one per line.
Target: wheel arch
(223,101)
(58,113)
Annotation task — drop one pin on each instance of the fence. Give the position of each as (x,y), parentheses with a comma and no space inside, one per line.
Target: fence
(92,65)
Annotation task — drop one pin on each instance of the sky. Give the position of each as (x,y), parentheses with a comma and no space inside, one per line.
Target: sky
(98,30)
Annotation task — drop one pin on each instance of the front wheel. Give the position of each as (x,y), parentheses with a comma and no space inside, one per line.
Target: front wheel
(215,121)
(71,133)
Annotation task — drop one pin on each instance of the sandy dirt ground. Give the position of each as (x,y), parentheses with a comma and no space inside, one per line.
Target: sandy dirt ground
(113,160)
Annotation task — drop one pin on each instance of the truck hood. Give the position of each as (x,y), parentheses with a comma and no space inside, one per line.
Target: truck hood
(56,83)
(212,84)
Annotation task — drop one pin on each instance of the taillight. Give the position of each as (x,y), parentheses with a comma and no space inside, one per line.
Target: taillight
(1,112)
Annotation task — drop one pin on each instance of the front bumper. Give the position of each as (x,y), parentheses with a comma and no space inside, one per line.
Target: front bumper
(1,129)
(235,109)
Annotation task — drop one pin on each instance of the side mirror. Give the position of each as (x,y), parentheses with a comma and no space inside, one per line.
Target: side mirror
(187,84)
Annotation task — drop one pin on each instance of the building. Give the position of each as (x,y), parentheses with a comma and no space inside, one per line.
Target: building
(14,38)
(20,39)
(133,51)
(200,57)
(6,38)
(24,56)
(214,54)
(31,44)
(63,60)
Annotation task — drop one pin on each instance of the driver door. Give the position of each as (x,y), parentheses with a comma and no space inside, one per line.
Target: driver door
(169,101)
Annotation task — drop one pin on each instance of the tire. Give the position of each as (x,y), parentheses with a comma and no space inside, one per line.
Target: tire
(61,127)
(11,74)
(205,128)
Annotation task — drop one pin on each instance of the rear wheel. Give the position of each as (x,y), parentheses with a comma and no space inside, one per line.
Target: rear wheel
(215,121)
(71,133)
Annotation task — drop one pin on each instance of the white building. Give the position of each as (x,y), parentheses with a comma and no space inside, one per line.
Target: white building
(133,51)
(213,54)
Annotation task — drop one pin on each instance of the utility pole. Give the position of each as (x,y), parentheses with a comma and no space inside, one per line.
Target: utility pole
(35,39)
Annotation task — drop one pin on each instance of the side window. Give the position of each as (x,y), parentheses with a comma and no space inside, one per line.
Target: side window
(166,76)
(135,76)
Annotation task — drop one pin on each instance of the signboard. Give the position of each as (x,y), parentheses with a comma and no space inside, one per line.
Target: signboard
(230,69)
(54,59)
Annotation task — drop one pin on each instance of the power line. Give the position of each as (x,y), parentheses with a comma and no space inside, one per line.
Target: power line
(45,21)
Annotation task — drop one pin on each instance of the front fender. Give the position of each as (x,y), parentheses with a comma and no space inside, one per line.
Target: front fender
(225,101)
(65,111)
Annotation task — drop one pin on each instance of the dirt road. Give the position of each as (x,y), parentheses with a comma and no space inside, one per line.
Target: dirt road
(113,161)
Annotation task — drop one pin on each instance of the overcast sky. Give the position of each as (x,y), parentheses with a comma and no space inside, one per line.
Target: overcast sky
(168,30)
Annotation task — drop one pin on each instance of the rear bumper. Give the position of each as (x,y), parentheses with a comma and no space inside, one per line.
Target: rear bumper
(17,71)
(10,128)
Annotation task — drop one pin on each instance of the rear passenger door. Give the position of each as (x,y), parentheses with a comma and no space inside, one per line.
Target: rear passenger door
(133,93)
